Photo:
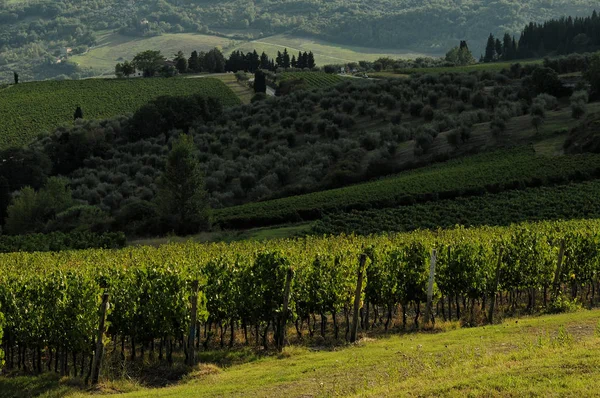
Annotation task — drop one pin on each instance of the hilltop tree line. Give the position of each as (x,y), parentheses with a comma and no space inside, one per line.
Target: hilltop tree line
(554,37)
(151,62)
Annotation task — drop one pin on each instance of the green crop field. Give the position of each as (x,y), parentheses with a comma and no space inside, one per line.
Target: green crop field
(562,202)
(311,79)
(31,108)
(488,172)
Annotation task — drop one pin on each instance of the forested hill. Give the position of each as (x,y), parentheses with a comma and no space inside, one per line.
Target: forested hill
(41,29)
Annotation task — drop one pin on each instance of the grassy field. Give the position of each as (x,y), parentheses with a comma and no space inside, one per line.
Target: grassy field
(31,108)
(325,53)
(113,48)
(551,355)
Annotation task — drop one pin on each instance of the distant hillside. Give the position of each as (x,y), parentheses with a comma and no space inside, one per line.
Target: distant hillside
(37,33)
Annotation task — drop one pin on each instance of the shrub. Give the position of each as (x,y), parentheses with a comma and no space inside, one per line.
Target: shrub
(416,107)
(428,113)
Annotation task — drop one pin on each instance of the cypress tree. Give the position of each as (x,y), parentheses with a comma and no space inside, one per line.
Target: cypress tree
(286,59)
(264,61)
(310,63)
(279,59)
(194,62)
(294,63)
(78,113)
(16,77)
(260,82)
(490,49)
(182,200)
(498,49)
(507,54)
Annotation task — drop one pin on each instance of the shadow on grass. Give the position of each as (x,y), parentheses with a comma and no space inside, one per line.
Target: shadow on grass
(48,385)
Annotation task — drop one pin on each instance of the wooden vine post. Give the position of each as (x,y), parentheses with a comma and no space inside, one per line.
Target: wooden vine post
(357,294)
(191,348)
(97,362)
(430,287)
(495,287)
(556,284)
(285,313)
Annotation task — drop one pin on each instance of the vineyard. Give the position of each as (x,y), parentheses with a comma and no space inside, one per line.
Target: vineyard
(475,175)
(566,202)
(183,297)
(31,108)
(311,79)
(479,67)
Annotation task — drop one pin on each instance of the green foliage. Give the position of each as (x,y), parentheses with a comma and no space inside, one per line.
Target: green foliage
(53,298)
(30,210)
(562,304)
(593,73)
(32,108)
(149,62)
(494,172)
(181,197)
(460,56)
(571,201)
(58,241)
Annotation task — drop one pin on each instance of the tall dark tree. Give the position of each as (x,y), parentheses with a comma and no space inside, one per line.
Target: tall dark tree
(194,62)
(182,199)
(264,61)
(294,62)
(279,59)
(16,77)
(78,113)
(490,49)
(498,49)
(181,62)
(260,82)
(286,58)
(310,62)
(507,54)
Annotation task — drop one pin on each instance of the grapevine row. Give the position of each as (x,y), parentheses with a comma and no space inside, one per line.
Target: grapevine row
(50,300)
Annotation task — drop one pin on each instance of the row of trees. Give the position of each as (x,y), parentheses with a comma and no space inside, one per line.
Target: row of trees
(151,62)
(554,37)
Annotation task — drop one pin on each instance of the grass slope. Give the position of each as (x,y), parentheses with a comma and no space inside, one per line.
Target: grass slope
(325,52)
(31,108)
(551,355)
(113,48)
